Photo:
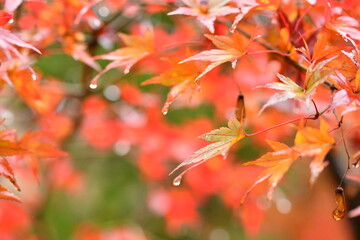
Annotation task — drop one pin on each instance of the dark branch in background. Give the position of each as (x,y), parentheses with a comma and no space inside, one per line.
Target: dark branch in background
(87,71)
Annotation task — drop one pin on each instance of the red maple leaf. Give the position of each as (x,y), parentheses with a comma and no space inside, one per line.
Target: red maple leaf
(205,11)
(230,50)
(137,47)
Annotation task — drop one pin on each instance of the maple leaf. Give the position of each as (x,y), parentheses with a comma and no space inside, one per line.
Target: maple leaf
(309,142)
(7,172)
(7,42)
(8,39)
(79,52)
(354,56)
(5,194)
(85,9)
(315,75)
(137,47)
(9,148)
(230,50)
(42,98)
(181,77)
(245,6)
(345,26)
(12,5)
(5,17)
(277,163)
(313,142)
(38,146)
(322,48)
(223,138)
(348,93)
(345,96)
(349,99)
(205,11)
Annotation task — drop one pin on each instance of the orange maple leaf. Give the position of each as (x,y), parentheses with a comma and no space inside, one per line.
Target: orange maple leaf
(309,142)
(277,163)
(7,171)
(205,11)
(42,98)
(346,26)
(38,146)
(322,50)
(137,47)
(230,50)
(346,95)
(7,195)
(313,142)
(78,50)
(245,6)
(181,77)
(9,147)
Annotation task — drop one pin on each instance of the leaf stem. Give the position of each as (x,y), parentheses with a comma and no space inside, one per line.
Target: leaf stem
(310,117)
(270,51)
(340,121)
(297,65)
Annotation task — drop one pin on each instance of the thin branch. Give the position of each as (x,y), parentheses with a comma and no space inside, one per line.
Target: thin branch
(310,117)
(297,65)
(340,121)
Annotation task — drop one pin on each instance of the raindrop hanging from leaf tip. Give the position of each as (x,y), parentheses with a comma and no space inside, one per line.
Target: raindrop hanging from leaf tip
(177,181)
(93,85)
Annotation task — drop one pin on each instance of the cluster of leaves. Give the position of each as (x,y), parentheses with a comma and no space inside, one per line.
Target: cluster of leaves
(317,66)
(308,51)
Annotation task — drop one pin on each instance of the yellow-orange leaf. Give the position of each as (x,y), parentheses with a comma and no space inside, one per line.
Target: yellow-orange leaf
(8,148)
(316,143)
(230,49)
(5,194)
(206,11)
(137,47)
(7,172)
(277,163)
(180,76)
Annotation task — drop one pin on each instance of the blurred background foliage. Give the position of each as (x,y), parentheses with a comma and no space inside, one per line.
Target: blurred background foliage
(115,183)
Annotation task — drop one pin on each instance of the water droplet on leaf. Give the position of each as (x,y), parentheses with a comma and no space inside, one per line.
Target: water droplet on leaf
(224,154)
(165,109)
(93,85)
(177,180)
